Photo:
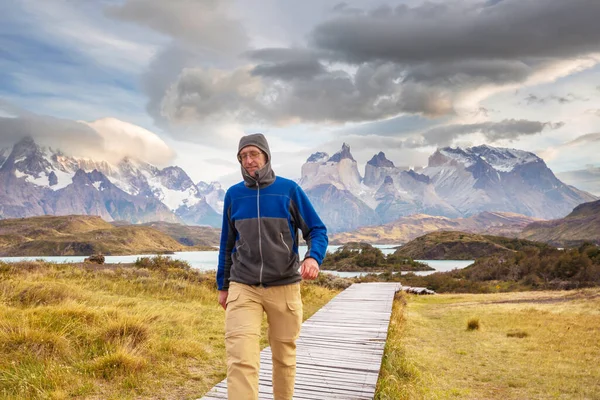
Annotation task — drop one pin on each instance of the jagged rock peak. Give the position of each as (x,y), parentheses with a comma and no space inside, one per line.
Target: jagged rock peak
(24,147)
(340,155)
(379,160)
(318,157)
(419,177)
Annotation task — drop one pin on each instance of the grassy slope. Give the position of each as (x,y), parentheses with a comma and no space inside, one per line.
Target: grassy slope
(431,355)
(80,235)
(189,235)
(113,332)
(582,225)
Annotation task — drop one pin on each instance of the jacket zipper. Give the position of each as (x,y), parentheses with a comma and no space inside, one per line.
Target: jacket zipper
(262,263)
(284,243)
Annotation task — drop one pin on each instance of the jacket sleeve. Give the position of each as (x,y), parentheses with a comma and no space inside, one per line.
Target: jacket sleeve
(313,229)
(226,246)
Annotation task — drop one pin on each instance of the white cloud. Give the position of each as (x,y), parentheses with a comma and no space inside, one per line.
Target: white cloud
(122,139)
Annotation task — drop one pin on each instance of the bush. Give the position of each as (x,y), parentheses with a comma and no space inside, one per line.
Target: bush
(161,263)
(473,324)
(330,281)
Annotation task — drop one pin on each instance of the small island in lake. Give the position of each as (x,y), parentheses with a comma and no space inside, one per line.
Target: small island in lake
(355,256)
(454,245)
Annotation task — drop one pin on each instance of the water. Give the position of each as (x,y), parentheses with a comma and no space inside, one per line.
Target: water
(207,260)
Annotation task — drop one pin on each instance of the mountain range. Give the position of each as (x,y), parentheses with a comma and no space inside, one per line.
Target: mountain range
(456,183)
(38,180)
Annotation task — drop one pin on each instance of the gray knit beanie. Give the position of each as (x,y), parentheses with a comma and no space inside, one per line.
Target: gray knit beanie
(258,140)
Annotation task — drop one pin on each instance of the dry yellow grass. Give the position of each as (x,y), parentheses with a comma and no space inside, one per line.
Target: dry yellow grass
(531,345)
(113,332)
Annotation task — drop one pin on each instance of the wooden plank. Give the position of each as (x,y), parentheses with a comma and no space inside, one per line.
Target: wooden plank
(339,350)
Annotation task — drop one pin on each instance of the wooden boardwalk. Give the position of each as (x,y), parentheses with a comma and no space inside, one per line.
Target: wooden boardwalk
(340,347)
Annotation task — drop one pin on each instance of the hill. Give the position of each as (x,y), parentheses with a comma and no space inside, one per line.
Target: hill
(365,257)
(76,235)
(410,227)
(452,245)
(189,235)
(581,225)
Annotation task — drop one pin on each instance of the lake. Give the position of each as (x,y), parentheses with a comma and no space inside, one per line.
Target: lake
(207,260)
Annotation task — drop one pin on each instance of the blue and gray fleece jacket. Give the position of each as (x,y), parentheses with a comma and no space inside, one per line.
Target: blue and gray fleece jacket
(262,217)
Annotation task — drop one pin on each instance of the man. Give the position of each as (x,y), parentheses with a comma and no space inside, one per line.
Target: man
(259,269)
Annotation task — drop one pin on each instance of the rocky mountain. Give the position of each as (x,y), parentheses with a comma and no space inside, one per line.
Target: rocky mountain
(405,229)
(456,183)
(581,225)
(486,178)
(213,193)
(39,181)
(334,186)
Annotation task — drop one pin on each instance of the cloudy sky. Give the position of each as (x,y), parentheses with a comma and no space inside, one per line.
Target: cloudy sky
(178,82)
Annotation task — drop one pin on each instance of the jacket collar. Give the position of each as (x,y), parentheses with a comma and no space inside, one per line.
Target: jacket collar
(262,178)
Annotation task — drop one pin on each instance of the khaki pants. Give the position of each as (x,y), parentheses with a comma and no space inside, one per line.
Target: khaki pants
(243,317)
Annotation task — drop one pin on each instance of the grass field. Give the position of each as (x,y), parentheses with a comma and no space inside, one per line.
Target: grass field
(527,345)
(153,331)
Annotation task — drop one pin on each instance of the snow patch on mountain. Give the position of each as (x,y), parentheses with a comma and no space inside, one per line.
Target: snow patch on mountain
(458,155)
(500,159)
(213,194)
(503,159)
(174,198)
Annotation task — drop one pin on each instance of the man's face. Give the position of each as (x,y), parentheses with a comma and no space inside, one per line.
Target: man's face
(252,159)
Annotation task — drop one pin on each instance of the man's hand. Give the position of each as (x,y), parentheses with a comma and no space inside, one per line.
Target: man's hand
(309,268)
(223,298)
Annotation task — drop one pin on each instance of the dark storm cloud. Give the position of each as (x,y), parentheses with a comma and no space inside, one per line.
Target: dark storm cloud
(345,8)
(510,129)
(199,32)
(200,23)
(286,64)
(468,72)
(450,31)
(569,98)
(359,65)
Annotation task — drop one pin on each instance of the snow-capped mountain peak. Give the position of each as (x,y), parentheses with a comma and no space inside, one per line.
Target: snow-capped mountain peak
(503,159)
(318,157)
(213,193)
(40,172)
(458,156)
(498,158)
